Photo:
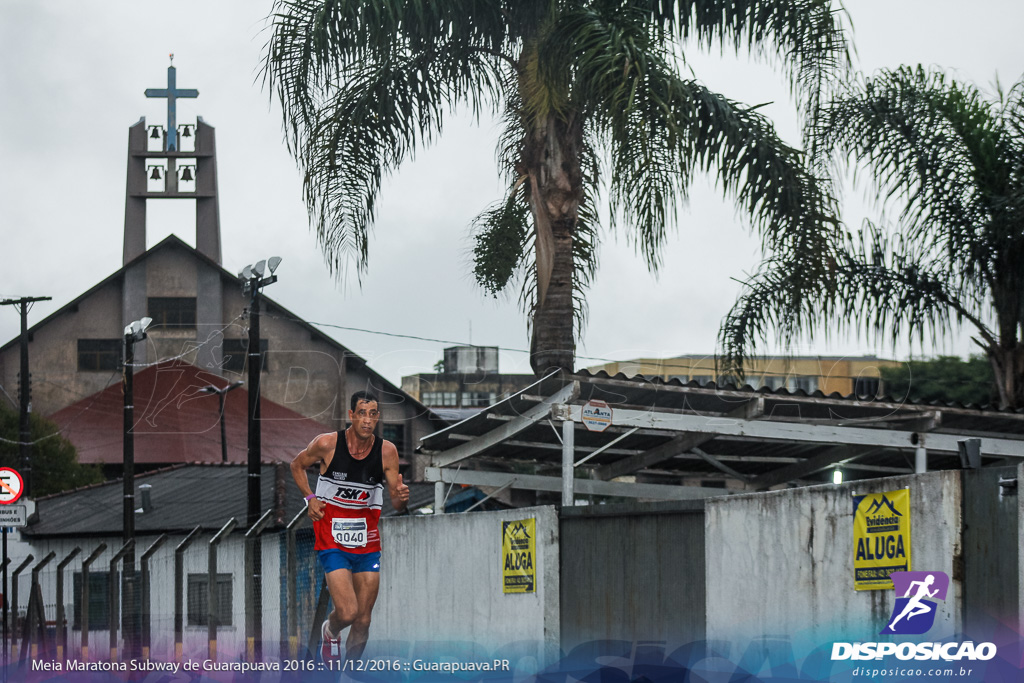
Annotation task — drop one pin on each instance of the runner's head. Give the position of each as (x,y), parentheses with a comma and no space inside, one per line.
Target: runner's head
(363,413)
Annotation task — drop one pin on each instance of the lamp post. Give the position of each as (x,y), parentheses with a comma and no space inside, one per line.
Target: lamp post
(220,391)
(252,281)
(133,333)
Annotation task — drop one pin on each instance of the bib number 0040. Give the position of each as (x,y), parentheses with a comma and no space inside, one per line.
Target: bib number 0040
(350,533)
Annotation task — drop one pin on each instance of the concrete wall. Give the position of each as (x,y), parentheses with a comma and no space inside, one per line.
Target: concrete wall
(781,563)
(441,580)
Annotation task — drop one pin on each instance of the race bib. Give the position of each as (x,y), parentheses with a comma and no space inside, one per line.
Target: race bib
(349,533)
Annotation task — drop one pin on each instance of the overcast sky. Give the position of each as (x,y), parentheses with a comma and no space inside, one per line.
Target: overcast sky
(72,76)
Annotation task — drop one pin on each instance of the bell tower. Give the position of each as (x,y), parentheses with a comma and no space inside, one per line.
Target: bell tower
(160,168)
(173,162)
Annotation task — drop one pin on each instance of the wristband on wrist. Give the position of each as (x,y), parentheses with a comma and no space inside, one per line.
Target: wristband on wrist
(310,497)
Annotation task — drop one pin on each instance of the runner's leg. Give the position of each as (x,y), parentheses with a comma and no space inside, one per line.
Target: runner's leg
(366,586)
(343,595)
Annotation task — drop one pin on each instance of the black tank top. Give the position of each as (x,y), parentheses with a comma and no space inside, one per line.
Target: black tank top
(368,470)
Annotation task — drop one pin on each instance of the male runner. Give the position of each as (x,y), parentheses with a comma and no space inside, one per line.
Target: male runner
(345,509)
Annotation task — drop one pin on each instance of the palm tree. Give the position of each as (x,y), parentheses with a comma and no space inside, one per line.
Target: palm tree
(593,95)
(954,160)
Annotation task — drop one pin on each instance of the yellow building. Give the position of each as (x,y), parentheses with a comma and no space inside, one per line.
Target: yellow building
(842,374)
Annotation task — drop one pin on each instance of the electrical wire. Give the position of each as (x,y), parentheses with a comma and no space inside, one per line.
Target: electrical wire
(663,365)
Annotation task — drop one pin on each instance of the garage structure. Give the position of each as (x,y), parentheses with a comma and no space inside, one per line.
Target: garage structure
(597,435)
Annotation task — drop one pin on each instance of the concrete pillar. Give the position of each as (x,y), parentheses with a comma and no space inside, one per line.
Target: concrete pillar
(135,200)
(207,201)
(438,497)
(920,458)
(568,459)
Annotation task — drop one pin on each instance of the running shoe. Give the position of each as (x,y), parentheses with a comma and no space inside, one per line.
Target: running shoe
(330,648)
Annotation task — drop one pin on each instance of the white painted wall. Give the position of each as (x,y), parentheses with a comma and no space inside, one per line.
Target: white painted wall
(441,580)
(781,563)
(230,559)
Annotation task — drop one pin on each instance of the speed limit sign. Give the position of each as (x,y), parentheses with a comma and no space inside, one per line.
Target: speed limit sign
(11,485)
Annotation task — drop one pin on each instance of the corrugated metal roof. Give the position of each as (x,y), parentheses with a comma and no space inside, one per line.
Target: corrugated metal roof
(183,497)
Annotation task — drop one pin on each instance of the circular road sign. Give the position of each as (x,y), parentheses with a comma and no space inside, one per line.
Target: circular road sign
(597,416)
(11,486)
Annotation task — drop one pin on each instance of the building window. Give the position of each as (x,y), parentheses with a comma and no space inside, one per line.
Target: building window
(865,387)
(236,350)
(396,435)
(99,354)
(198,599)
(173,311)
(808,384)
(440,398)
(476,399)
(99,601)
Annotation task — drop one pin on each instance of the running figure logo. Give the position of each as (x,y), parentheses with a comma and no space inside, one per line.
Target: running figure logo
(914,613)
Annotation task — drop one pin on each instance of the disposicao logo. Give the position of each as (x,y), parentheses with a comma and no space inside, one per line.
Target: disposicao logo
(914,614)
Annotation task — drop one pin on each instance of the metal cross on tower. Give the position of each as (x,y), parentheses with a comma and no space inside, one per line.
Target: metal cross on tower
(172,93)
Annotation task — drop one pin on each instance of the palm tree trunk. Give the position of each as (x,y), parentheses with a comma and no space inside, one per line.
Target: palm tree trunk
(1008,368)
(551,160)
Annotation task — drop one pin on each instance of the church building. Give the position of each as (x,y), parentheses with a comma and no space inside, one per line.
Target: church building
(197,342)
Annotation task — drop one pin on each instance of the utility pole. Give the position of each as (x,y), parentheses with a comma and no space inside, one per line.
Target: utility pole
(25,384)
(24,438)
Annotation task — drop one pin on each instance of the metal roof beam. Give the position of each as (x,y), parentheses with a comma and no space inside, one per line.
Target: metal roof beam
(531,416)
(714,462)
(748,410)
(803,433)
(667,450)
(809,466)
(550,446)
(534,482)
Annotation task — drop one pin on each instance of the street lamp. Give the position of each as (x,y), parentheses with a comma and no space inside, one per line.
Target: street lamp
(133,333)
(252,281)
(220,391)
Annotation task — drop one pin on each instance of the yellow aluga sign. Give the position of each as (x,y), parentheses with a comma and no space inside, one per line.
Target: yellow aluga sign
(519,556)
(881,538)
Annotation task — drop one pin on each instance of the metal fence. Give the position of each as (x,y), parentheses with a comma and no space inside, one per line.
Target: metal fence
(71,599)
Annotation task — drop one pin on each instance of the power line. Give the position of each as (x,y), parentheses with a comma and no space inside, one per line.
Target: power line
(663,365)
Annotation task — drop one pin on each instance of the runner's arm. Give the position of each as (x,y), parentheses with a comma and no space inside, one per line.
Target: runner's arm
(396,487)
(312,455)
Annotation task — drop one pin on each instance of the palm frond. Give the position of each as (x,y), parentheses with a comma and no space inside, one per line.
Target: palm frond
(880,284)
(374,120)
(805,37)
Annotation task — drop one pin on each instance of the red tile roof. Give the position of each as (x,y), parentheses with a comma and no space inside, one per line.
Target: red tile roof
(176,422)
